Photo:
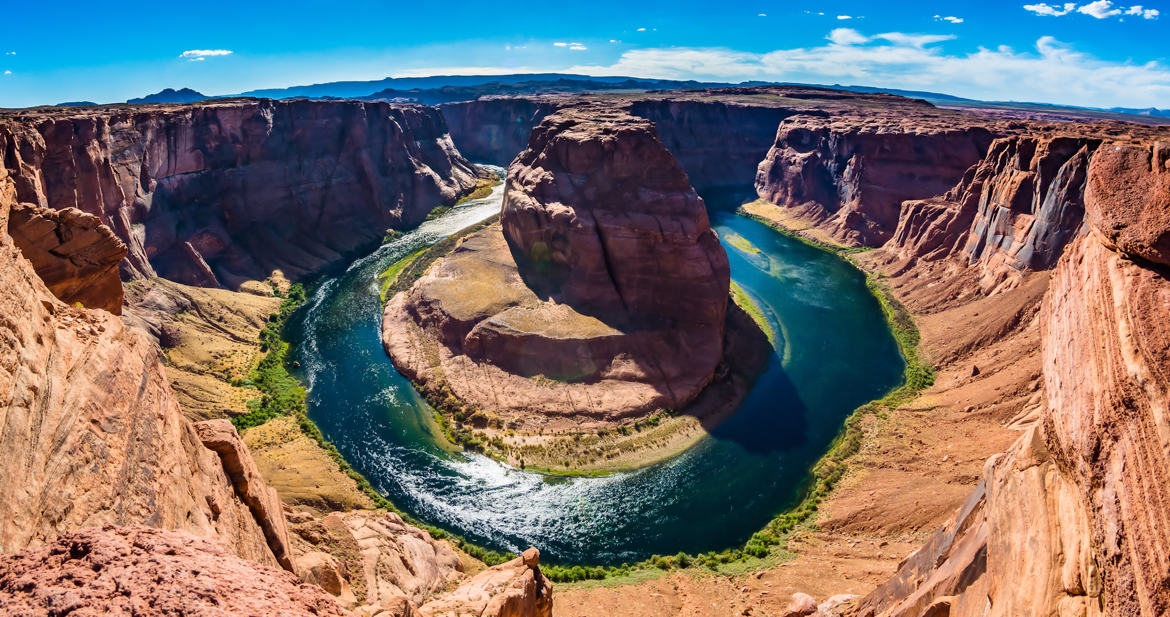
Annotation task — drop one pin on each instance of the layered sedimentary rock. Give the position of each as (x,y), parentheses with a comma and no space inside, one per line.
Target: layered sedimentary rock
(513,589)
(74,254)
(603,294)
(218,193)
(1073,519)
(149,572)
(850,173)
(1014,211)
(91,430)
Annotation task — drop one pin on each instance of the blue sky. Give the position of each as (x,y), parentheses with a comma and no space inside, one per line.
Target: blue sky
(1097,53)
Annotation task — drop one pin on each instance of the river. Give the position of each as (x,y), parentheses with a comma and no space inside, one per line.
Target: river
(833,353)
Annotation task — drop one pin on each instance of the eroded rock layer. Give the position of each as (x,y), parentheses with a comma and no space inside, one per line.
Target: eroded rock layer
(603,293)
(218,193)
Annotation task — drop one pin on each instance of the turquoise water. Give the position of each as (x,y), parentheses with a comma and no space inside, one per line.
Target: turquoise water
(834,353)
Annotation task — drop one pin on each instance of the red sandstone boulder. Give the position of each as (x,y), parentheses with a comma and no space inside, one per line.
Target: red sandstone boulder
(74,254)
(1129,197)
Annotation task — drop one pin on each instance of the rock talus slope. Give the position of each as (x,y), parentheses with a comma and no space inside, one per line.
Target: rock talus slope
(214,194)
(1073,519)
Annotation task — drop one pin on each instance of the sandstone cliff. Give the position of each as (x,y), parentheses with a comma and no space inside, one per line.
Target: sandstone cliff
(1014,211)
(850,173)
(1072,519)
(495,129)
(218,193)
(607,299)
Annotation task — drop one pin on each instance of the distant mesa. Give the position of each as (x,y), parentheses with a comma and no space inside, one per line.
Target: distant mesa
(170,95)
(75,104)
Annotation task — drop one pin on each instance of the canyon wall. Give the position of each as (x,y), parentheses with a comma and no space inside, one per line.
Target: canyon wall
(1073,519)
(849,173)
(218,193)
(1014,211)
(495,130)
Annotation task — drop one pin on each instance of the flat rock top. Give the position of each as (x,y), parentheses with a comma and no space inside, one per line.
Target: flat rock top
(479,281)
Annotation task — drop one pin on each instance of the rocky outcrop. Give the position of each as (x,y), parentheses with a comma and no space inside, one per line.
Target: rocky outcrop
(72,252)
(1014,211)
(605,295)
(214,194)
(850,173)
(149,573)
(513,589)
(1072,519)
(91,432)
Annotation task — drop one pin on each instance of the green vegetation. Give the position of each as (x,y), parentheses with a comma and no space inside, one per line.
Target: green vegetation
(742,243)
(390,275)
(482,189)
(744,300)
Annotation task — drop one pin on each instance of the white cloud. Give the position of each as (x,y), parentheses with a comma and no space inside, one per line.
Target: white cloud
(844,17)
(613,40)
(1050,72)
(7,72)
(641,29)
(195,55)
(950,18)
(762,15)
(1099,9)
(10,53)
(1051,10)
(572,46)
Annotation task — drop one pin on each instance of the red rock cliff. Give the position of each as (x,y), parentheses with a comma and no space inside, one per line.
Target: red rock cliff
(221,192)
(1073,519)
(850,173)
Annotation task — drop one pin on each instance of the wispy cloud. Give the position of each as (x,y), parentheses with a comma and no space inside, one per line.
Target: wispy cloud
(198,55)
(762,15)
(844,17)
(1099,9)
(7,72)
(572,46)
(10,53)
(950,18)
(1051,71)
(641,29)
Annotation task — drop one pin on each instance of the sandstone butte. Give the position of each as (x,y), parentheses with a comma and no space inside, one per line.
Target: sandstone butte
(1034,256)
(601,295)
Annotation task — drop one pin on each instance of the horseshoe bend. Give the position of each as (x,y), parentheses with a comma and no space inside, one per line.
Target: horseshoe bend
(582,346)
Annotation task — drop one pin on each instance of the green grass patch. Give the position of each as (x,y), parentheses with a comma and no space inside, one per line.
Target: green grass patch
(745,301)
(741,243)
(390,275)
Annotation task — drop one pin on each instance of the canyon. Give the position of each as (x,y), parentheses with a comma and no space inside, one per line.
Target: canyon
(1029,479)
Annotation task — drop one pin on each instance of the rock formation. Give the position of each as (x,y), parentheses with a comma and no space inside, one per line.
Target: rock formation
(495,129)
(513,589)
(74,254)
(851,173)
(1072,519)
(150,573)
(218,193)
(607,285)
(1016,210)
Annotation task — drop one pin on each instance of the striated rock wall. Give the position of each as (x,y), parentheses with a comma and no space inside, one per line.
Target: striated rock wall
(851,172)
(1073,520)
(217,193)
(1013,211)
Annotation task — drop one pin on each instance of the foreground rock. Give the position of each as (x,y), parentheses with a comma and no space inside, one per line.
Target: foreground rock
(513,589)
(74,254)
(217,193)
(146,573)
(601,296)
